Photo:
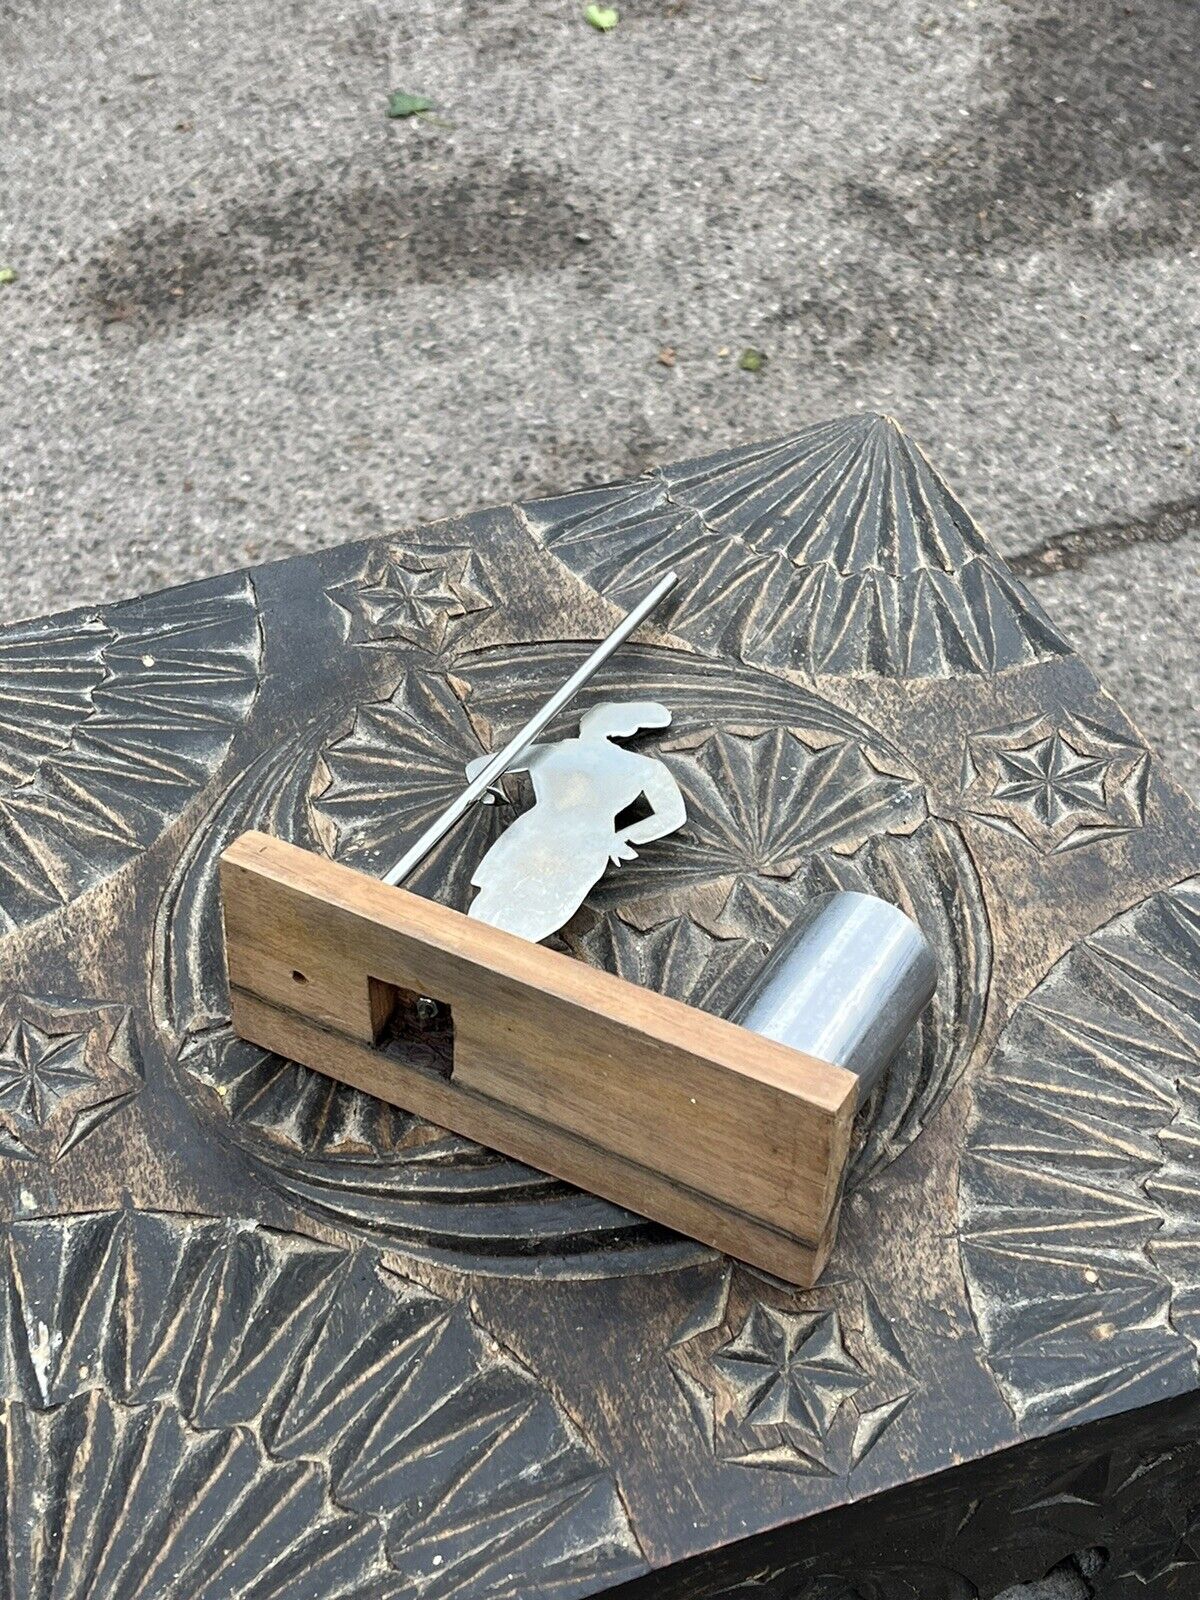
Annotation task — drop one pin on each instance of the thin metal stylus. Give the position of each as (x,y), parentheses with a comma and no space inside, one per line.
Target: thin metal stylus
(520,741)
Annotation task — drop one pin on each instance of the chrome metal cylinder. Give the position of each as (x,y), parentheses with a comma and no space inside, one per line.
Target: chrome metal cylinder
(845,983)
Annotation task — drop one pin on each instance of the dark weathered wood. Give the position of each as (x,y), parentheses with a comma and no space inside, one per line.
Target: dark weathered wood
(366,1351)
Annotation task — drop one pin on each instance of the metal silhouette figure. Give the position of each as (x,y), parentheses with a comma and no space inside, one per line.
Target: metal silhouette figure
(539,871)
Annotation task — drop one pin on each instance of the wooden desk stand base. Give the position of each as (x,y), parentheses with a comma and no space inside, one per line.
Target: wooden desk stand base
(670,1112)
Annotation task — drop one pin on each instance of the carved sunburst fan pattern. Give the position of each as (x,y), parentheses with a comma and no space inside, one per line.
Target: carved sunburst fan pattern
(108,725)
(400,764)
(48,673)
(1080,1194)
(761,800)
(95,1452)
(184,1414)
(836,550)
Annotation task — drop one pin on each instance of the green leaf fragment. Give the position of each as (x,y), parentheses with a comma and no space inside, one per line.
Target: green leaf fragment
(407,105)
(8,275)
(602,18)
(752,360)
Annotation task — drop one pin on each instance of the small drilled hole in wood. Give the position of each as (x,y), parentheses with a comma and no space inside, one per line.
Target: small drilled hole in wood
(298,977)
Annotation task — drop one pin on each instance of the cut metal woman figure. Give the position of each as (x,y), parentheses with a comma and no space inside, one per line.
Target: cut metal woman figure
(539,871)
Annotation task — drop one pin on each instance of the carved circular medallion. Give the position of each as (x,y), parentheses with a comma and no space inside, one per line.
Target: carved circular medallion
(786,795)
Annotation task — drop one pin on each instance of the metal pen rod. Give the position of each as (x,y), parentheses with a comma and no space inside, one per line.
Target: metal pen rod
(521,740)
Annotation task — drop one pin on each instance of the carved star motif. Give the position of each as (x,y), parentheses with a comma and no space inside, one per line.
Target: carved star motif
(1058,784)
(39,1071)
(406,603)
(1053,777)
(412,599)
(810,1386)
(63,1070)
(790,1371)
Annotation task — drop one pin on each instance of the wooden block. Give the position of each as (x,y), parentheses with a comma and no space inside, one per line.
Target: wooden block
(675,1114)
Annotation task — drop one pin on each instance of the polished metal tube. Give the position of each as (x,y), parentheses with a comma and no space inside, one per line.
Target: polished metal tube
(845,983)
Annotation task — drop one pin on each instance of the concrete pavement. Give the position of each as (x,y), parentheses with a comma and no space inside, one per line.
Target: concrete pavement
(253,315)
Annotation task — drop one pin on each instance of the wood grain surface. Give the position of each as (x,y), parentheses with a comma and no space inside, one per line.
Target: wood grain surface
(712,1130)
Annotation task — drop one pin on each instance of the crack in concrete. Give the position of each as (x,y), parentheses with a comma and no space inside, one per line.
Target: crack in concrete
(1164,523)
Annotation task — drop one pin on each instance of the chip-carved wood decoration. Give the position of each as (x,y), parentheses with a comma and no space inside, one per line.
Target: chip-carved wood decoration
(398,766)
(109,723)
(1080,1191)
(836,550)
(427,600)
(806,1383)
(359,1357)
(201,1407)
(66,1065)
(1057,783)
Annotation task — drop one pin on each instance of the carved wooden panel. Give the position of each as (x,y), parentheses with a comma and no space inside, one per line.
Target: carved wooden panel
(109,723)
(263,1336)
(202,1406)
(839,550)
(1080,1190)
